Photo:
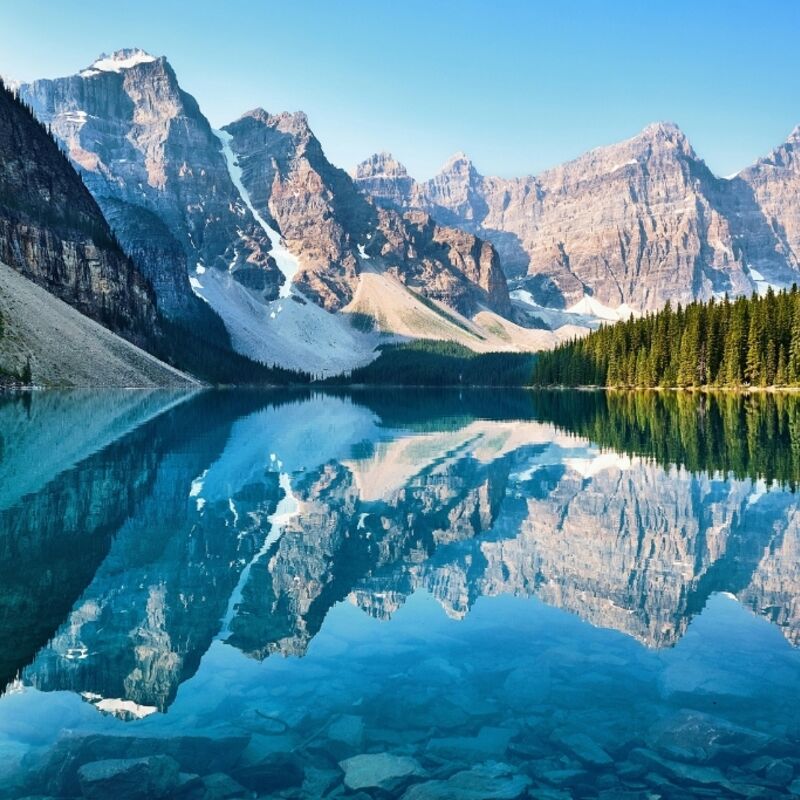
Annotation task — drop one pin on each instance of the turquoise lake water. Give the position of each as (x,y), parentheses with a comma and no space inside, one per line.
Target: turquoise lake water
(399,594)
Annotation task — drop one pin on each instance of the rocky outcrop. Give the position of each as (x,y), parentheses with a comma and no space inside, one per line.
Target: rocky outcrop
(634,224)
(151,160)
(52,231)
(336,232)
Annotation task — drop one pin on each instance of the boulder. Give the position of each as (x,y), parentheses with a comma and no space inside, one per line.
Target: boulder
(129,778)
(384,771)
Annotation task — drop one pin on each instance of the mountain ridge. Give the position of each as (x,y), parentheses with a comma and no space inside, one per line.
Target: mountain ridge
(664,226)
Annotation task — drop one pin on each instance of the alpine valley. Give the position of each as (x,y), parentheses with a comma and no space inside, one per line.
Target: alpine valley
(140,246)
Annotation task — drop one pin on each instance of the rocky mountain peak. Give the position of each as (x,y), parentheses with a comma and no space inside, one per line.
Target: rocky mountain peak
(665,136)
(382,164)
(458,164)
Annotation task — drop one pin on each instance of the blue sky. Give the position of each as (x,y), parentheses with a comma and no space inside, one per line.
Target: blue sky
(519,86)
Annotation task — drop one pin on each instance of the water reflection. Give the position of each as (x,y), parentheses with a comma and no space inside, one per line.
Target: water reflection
(164,533)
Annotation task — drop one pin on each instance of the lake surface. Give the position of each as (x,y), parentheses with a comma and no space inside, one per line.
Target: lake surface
(399,594)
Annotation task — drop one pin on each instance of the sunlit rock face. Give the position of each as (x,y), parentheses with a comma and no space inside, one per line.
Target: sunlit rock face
(52,231)
(336,232)
(633,224)
(152,162)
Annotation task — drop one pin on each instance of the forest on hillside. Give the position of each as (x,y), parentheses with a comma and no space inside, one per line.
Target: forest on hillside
(746,342)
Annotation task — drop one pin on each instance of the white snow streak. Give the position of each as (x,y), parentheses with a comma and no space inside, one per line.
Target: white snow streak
(286,262)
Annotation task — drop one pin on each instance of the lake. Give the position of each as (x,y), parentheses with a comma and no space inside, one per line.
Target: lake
(422,595)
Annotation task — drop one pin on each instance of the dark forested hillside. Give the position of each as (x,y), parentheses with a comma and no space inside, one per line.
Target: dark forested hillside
(433,363)
(747,342)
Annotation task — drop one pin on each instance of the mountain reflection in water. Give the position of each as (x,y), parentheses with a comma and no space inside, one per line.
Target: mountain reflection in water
(155,547)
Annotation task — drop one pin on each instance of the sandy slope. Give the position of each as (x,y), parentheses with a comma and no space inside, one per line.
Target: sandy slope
(399,310)
(67,348)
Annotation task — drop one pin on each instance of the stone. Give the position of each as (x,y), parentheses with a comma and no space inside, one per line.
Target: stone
(699,737)
(490,781)
(347,729)
(271,774)
(384,771)
(129,778)
(219,786)
(779,772)
(491,742)
(586,749)
(677,770)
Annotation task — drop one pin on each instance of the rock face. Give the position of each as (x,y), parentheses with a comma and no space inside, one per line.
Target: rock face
(151,160)
(52,231)
(336,232)
(634,224)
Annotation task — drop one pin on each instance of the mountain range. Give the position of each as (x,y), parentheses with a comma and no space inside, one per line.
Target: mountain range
(248,243)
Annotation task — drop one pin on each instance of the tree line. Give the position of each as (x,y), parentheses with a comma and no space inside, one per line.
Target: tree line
(746,342)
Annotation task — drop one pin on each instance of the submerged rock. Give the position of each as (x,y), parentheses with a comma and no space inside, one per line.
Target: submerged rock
(490,742)
(129,778)
(587,750)
(490,781)
(271,774)
(379,771)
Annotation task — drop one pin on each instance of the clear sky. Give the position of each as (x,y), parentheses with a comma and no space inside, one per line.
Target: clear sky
(518,85)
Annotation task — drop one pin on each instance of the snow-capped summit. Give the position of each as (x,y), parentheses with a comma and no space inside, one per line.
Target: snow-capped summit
(118,61)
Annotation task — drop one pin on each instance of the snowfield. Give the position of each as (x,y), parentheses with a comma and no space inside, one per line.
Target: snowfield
(291,332)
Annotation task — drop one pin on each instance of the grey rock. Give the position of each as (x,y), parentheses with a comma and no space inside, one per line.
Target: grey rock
(384,771)
(271,774)
(677,770)
(586,749)
(779,772)
(219,786)
(491,742)
(129,778)
(490,781)
(347,729)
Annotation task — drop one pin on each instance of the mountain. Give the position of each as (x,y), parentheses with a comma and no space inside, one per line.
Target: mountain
(155,167)
(73,306)
(253,226)
(334,230)
(53,233)
(624,228)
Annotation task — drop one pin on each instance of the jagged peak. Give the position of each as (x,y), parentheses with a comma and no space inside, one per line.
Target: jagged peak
(380,164)
(794,136)
(657,132)
(458,163)
(118,61)
(291,121)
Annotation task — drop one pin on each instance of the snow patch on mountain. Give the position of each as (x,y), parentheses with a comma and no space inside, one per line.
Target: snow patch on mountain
(292,333)
(592,307)
(117,62)
(286,262)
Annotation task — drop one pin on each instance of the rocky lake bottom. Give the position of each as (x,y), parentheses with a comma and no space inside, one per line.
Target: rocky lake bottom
(226,595)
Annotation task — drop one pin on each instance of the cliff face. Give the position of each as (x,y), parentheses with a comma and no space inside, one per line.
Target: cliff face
(52,231)
(634,224)
(336,232)
(155,167)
